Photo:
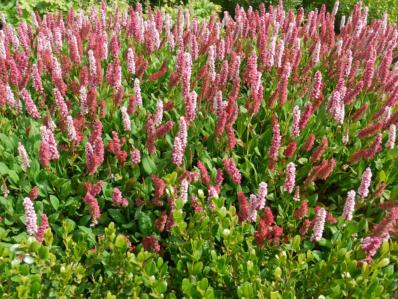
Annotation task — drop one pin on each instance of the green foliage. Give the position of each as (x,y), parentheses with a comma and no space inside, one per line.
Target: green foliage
(199,8)
(212,256)
(216,257)
(229,5)
(376,7)
(8,8)
(106,270)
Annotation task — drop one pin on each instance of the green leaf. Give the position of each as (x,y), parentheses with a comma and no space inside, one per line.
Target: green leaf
(68,226)
(382,263)
(150,268)
(197,268)
(382,176)
(171,178)
(186,286)
(54,202)
(145,223)
(296,243)
(3,169)
(203,284)
(277,272)
(117,216)
(161,286)
(179,204)
(147,164)
(13,176)
(326,243)
(43,253)
(275,295)
(24,269)
(352,228)
(120,242)
(35,287)
(86,230)
(4,139)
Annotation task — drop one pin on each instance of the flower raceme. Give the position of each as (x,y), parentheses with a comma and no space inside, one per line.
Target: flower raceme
(30,216)
(301,211)
(118,199)
(180,143)
(135,156)
(232,170)
(48,146)
(295,130)
(349,205)
(275,144)
(24,156)
(319,224)
(42,228)
(363,189)
(379,234)
(290,177)
(94,208)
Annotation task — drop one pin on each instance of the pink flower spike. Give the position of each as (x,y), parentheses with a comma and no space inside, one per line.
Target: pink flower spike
(71,129)
(178,152)
(363,190)
(92,202)
(93,67)
(301,211)
(316,91)
(349,205)
(137,91)
(125,119)
(130,61)
(183,133)
(135,156)
(30,216)
(391,136)
(370,245)
(232,170)
(261,196)
(10,96)
(59,99)
(42,228)
(386,225)
(244,207)
(190,106)
(158,116)
(211,60)
(252,208)
(47,137)
(316,53)
(184,190)
(83,100)
(29,104)
(319,224)
(118,199)
(23,155)
(295,129)
(37,82)
(290,177)
(91,159)
(276,140)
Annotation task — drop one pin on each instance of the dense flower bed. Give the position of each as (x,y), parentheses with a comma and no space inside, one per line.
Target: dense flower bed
(221,146)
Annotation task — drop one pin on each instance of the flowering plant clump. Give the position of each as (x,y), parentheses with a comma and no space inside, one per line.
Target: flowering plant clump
(143,155)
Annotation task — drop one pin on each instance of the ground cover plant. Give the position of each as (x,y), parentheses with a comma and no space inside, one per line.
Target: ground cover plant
(148,157)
